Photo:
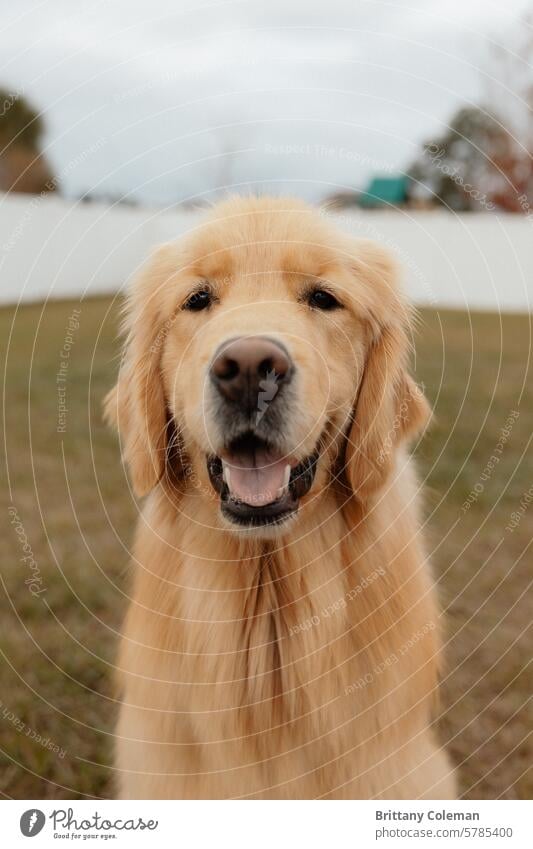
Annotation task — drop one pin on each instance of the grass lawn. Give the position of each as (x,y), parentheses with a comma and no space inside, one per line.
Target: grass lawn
(68,511)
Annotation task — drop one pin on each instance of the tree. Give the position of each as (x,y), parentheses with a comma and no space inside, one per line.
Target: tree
(474,165)
(509,82)
(485,160)
(23,168)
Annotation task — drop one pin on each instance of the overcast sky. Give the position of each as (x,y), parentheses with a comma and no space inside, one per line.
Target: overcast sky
(167,100)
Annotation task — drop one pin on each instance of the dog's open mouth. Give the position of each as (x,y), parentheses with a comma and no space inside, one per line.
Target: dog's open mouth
(257,485)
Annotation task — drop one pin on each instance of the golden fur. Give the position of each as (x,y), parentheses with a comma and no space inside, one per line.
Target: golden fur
(303,662)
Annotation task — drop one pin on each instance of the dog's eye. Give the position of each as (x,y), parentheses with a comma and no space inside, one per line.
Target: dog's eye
(322,300)
(198,300)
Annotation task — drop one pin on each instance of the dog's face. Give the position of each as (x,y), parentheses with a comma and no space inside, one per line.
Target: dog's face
(261,369)
(266,353)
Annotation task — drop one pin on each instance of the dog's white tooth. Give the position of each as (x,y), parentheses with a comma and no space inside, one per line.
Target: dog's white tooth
(283,488)
(226,475)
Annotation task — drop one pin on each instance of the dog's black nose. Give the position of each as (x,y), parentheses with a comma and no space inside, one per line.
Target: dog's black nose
(248,369)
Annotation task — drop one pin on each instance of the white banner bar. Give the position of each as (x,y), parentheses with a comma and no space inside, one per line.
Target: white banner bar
(268,825)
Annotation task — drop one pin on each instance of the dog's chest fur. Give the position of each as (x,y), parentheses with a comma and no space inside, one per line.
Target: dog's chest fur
(264,650)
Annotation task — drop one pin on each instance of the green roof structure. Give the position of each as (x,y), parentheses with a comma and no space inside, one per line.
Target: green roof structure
(383,191)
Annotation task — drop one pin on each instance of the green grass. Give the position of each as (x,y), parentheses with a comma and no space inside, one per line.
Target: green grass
(74,507)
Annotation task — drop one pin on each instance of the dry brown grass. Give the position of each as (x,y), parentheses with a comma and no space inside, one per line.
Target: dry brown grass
(73,505)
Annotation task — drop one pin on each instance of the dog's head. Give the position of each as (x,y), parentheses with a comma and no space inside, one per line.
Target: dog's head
(265,354)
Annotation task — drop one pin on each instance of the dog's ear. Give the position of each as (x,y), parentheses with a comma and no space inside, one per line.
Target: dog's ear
(390,408)
(136,406)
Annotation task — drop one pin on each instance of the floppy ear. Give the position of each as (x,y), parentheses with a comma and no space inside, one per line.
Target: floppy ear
(390,408)
(136,406)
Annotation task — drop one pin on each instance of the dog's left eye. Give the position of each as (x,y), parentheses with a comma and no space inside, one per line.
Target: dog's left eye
(198,300)
(323,300)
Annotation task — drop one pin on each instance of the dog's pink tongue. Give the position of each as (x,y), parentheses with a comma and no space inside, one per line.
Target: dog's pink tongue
(257,480)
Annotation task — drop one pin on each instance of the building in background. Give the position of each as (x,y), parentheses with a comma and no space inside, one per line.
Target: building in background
(393,191)
(382,192)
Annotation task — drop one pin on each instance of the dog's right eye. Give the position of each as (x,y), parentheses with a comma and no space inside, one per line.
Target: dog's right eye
(199,300)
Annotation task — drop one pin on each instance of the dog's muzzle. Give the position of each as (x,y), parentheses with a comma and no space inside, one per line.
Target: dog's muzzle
(258,483)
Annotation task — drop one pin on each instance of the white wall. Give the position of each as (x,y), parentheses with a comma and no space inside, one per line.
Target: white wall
(53,248)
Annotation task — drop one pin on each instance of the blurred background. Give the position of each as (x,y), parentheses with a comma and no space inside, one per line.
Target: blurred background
(407,122)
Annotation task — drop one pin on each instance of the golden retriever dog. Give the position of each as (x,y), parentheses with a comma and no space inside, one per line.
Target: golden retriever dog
(282,638)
